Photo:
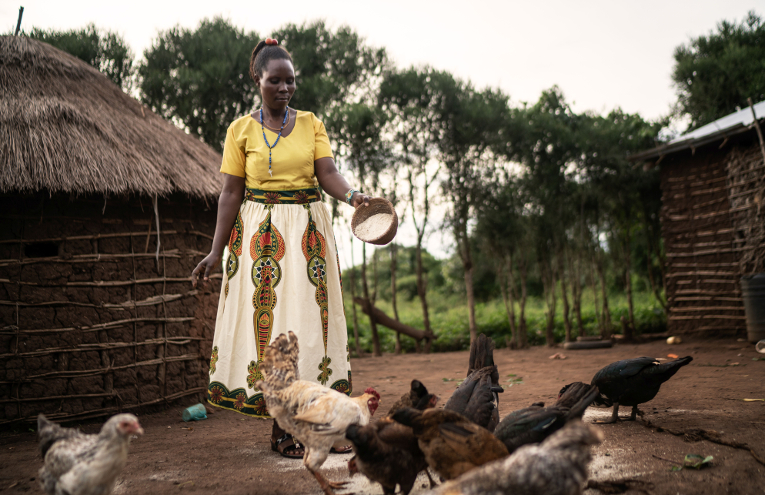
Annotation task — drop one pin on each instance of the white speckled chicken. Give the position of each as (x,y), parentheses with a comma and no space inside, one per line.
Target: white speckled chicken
(80,464)
(316,415)
(557,466)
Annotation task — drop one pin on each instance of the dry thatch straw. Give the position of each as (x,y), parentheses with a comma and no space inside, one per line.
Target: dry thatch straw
(65,127)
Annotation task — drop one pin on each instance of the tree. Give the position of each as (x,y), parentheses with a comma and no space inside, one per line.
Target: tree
(199,78)
(715,74)
(470,122)
(331,68)
(410,99)
(361,148)
(105,50)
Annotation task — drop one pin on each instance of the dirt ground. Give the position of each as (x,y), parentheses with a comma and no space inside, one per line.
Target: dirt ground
(229,453)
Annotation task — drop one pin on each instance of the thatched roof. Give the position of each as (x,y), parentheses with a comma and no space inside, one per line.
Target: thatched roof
(65,127)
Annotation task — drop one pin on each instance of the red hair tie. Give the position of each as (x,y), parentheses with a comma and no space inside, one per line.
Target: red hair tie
(270,41)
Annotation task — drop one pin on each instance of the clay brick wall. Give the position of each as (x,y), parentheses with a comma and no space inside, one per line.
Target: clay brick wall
(91,321)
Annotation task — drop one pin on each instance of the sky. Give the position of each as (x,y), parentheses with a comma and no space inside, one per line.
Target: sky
(602,54)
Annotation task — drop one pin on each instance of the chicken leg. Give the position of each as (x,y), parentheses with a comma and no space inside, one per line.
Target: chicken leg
(614,416)
(325,484)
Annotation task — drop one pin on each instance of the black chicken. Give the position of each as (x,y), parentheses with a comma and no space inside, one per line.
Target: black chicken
(633,381)
(535,423)
(476,397)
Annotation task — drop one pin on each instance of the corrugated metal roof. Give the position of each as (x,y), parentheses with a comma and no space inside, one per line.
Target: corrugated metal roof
(727,126)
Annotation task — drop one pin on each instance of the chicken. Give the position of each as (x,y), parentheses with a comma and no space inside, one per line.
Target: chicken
(452,444)
(535,423)
(558,466)
(316,415)
(388,452)
(476,397)
(80,464)
(417,398)
(631,382)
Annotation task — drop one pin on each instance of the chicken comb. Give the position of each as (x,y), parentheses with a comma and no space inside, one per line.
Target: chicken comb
(372,391)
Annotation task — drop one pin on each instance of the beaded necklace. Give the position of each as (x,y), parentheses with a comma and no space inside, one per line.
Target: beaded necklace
(286,113)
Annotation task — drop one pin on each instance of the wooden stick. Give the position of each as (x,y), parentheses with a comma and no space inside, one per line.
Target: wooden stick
(102,326)
(102,371)
(708,308)
(111,283)
(103,236)
(152,301)
(708,317)
(110,345)
(106,411)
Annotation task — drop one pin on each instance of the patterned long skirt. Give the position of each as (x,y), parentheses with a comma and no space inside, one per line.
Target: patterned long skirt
(282,273)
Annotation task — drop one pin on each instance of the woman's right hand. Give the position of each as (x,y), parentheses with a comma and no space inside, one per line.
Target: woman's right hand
(204,269)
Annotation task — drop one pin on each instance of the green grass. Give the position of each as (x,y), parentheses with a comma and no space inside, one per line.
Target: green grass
(449,320)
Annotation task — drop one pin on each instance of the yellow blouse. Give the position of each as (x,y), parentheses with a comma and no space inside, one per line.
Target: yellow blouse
(245,154)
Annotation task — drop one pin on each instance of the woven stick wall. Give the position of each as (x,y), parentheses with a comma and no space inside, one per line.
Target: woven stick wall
(746,186)
(92,320)
(702,252)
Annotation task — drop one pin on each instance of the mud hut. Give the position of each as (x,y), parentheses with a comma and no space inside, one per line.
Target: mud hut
(713,220)
(105,208)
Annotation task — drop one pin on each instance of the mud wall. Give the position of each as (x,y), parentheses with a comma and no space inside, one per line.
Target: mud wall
(92,321)
(702,250)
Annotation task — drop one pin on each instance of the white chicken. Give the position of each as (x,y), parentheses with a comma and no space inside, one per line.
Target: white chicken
(80,464)
(316,415)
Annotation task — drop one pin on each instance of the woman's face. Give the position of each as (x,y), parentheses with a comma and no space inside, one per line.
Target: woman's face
(277,84)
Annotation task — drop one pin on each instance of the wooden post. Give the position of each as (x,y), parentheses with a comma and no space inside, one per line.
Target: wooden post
(18,23)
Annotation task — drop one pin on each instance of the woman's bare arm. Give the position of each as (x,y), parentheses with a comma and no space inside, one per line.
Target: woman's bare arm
(335,184)
(228,206)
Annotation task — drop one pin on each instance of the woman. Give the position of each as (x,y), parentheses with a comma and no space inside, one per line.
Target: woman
(282,271)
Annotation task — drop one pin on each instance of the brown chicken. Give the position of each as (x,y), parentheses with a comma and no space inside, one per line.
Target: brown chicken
(452,444)
(476,397)
(80,464)
(417,398)
(557,466)
(388,452)
(316,415)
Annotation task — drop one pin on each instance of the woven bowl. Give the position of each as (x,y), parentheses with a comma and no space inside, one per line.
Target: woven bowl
(376,223)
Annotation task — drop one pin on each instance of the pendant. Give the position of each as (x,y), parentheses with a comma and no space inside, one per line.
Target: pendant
(270,173)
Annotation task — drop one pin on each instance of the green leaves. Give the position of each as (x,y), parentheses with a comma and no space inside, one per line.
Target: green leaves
(714,74)
(105,50)
(694,461)
(199,78)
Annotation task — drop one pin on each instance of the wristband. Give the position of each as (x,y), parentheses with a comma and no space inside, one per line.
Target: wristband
(349,195)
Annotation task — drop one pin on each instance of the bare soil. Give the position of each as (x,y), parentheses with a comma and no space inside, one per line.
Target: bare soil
(229,453)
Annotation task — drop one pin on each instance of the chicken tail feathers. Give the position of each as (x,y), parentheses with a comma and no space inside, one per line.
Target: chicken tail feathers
(577,410)
(279,367)
(481,353)
(48,433)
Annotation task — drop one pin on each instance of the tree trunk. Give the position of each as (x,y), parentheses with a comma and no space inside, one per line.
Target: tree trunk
(564,294)
(507,297)
(470,300)
(594,283)
(467,264)
(365,286)
(606,330)
(422,292)
(393,263)
(389,322)
(576,289)
(523,336)
(628,277)
(549,289)
(359,352)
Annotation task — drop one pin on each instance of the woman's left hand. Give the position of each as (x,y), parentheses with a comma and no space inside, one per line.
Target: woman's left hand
(359,199)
